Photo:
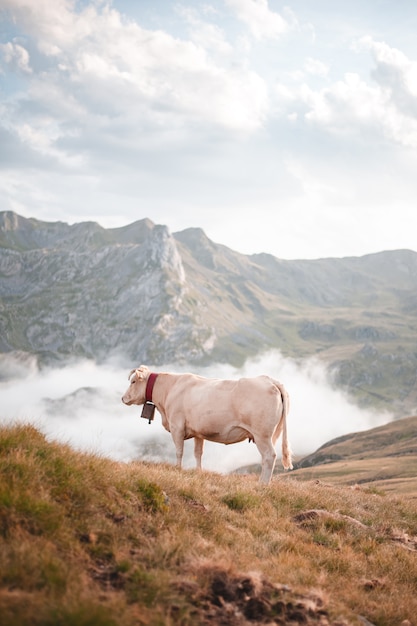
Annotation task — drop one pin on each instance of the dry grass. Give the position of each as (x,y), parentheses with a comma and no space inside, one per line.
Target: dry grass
(395,475)
(87,541)
(384,459)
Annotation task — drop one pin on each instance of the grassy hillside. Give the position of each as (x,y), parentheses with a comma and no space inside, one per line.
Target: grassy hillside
(383,458)
(85,541)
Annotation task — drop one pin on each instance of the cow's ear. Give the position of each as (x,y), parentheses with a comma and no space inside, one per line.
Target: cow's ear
(142,372)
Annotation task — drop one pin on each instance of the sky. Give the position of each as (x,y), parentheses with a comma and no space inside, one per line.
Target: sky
(80,404)
(280,127)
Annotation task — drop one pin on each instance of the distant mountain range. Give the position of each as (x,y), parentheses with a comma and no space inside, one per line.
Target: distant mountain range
(146,295)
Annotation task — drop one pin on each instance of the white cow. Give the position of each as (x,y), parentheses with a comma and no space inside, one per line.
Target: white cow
(225,411)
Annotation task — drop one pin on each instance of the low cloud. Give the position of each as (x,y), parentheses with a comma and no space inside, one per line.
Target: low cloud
(80,404)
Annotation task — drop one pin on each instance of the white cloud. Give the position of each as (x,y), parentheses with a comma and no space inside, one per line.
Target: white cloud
(16,55)
(396,74)
(347,105)
(381,108)
(316,67)
(388,108)
(261,21)
(54,24)
(352,108)
(205,34)
(111,82)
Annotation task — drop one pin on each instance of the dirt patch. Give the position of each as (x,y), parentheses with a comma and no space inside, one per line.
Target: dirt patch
(228,599)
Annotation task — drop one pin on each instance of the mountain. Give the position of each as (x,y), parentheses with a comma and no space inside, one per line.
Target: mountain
(146,295)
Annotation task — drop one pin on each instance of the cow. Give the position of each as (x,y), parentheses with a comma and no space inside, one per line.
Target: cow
(224,411)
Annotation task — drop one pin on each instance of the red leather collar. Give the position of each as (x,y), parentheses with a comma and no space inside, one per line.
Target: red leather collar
(149,386)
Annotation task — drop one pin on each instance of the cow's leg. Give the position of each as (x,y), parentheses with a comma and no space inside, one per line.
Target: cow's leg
(269,457)
(178,438)
(198,450)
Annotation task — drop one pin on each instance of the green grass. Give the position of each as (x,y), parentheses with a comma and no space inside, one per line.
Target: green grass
(88,541)
(241,501)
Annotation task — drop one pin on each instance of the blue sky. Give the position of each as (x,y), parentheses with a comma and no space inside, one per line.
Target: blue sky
(281,127)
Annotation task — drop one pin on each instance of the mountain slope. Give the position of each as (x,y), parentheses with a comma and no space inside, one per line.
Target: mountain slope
(398,438)
(382,458)
(146,295)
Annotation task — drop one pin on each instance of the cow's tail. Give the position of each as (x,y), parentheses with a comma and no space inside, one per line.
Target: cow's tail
(282,426)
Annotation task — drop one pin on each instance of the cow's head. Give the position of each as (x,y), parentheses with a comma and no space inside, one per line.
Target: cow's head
(136,392)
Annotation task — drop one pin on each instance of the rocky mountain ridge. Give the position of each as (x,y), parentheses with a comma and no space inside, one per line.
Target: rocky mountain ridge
(146,295)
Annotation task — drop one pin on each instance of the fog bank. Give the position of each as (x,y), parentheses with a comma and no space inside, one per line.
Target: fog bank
(80,404)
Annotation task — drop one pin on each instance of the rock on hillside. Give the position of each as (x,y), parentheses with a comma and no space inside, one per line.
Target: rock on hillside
(147,295)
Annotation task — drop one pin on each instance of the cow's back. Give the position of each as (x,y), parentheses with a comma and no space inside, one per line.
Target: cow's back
(210,403)
(257,394)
